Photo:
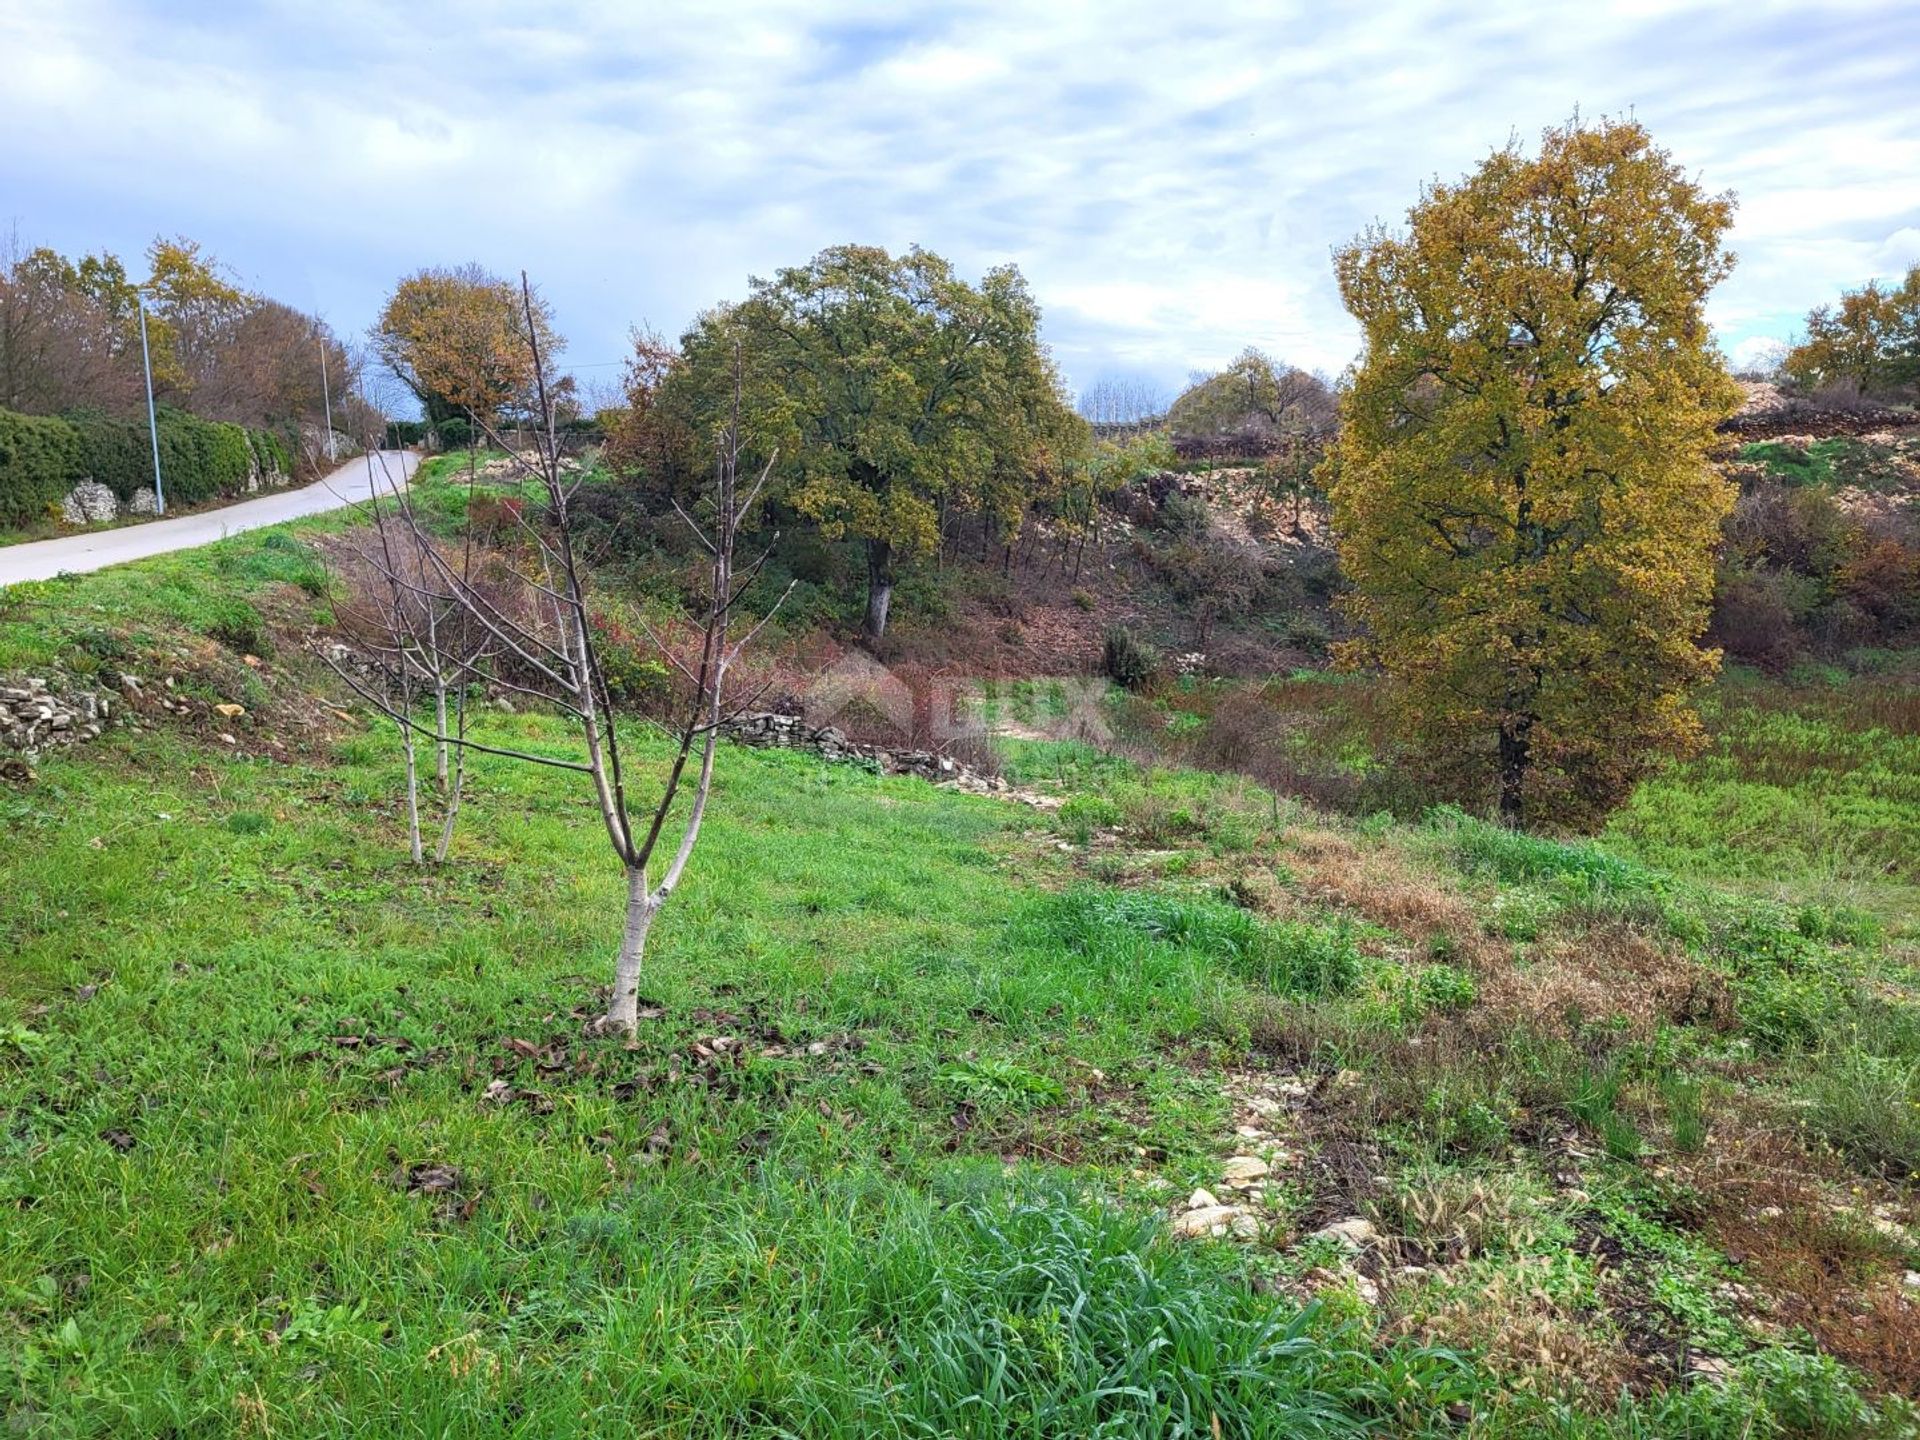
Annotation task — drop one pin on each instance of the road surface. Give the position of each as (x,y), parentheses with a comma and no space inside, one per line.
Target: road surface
(97,549)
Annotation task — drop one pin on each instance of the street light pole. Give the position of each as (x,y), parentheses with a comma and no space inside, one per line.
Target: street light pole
(153,426)
(326,398)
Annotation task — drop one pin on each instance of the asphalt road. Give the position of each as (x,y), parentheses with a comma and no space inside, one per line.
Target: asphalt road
(352,483)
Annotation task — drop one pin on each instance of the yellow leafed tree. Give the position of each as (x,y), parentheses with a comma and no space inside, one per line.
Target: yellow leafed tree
(1521,490)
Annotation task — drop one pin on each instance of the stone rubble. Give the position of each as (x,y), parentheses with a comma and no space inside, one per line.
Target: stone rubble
(772,730)
(33,715)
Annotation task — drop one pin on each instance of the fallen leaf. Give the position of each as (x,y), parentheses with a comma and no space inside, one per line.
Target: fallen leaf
(231,711)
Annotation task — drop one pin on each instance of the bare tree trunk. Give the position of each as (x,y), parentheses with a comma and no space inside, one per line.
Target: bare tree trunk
(413,796)
(459,774)
(879,588)
(623,1011)
(1516,754)
(440,746)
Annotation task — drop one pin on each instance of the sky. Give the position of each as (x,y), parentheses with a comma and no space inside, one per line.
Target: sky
(1171,180)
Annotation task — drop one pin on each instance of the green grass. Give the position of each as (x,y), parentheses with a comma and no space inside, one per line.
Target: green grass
(1803,794)
(1839,460)
(300,1139)
(290,1021)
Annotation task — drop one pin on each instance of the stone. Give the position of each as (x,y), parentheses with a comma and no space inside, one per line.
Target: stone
(1367,1290)
(1354,1233)
(1201,1200)
(1242,1170)
(1212,1220)
(143,502)
(89,503)
(1911,1280)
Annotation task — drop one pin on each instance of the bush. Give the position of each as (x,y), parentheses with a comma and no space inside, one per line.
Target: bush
(39,462)
(455,434)
(1129,661)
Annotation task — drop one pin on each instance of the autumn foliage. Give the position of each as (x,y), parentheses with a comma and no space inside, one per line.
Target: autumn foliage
(1521,491)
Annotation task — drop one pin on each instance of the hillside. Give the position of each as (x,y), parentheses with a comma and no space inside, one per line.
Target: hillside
(1500,1135)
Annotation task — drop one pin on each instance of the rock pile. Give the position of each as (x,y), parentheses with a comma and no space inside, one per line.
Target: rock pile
(89,503)
(770,730)
(525,466)
(33,716)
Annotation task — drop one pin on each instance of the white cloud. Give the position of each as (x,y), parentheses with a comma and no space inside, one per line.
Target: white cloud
(1171,183)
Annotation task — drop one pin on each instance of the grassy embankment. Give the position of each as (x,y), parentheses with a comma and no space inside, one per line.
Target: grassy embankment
(302,1139)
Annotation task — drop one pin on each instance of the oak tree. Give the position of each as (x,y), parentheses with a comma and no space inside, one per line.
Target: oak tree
(1521,492)
(1871,340)
(455,339)
(886,383)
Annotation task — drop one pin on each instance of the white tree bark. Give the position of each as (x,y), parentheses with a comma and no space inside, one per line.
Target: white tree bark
(623,1011)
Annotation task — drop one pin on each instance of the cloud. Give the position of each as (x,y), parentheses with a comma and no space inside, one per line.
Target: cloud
(1171,183)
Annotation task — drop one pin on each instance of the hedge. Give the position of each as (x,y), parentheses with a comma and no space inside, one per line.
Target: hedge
(39,462)
(42,457)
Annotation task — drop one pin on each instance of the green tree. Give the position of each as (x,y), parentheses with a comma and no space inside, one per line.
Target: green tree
(1521,491)
(886,384)
(1255,394)
(1871,339)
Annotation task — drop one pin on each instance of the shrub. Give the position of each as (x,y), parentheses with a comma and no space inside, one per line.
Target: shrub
(1127,660)
(633,673)
(39,462)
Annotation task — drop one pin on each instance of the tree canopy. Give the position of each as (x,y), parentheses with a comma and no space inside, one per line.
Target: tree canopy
(1267,398)
(1521,492)
(886,383)
(70,339)
(457,339)
(1871,340)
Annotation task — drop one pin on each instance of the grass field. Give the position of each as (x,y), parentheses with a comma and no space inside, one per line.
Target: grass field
(301,1139)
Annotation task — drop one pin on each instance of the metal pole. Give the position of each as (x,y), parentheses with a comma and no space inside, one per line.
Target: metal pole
(153,426)
(326,399)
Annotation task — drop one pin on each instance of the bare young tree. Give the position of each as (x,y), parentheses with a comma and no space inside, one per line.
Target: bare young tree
(417,639)
(541,643)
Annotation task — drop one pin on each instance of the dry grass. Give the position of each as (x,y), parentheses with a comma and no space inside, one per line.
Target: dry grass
(1802,1232)
(1532,1339)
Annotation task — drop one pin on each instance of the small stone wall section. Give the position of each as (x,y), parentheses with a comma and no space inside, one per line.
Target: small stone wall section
(767,729)
(34,716)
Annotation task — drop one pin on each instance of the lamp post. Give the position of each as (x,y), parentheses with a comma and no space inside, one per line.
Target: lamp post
(153,426)
(326,399)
